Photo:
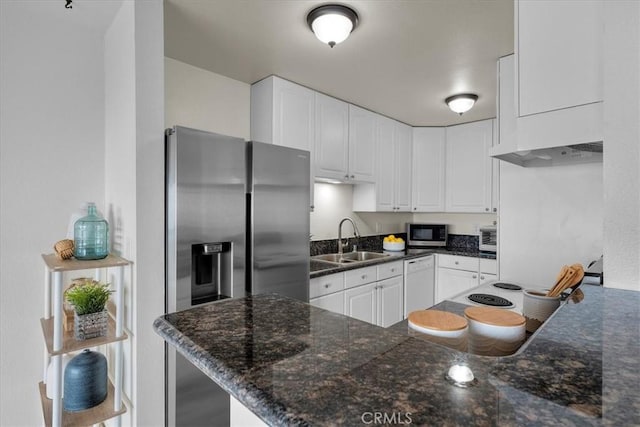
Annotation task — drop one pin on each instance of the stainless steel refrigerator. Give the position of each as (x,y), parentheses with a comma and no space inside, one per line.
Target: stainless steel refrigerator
(237,223)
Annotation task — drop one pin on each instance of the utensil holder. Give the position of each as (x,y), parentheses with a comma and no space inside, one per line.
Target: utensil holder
(537,307)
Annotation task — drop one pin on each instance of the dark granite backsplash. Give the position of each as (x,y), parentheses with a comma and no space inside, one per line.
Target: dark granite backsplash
(457,242)
(364,243)
(462,242)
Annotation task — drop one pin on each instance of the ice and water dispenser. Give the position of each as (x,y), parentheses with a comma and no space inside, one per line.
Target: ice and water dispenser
(211,272)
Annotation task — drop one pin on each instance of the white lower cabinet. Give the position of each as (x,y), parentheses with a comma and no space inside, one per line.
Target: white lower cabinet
(373,294)
(332,302)
(452,282)
(379,303)
(390,300)
(457,274)
(360,302)
(327,292)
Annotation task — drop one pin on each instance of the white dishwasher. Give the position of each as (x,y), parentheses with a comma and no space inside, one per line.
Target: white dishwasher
(419,283)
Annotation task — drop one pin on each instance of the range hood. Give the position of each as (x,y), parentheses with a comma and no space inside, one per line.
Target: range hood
(570,154)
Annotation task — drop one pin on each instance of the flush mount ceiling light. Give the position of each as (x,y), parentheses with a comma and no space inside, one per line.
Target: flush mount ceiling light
(461,103)
(332,23)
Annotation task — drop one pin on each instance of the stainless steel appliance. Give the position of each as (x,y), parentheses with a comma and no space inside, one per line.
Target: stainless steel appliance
(594,274)
(426,235)
(419,283)
(488,238)
(237,222)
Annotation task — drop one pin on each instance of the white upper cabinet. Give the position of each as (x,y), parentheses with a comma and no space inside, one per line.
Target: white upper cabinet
(332,138)
(403,150)
(362,144)
(469,167)
(392,189)
(506,103)
(385,182)
(558,73)
(559,53)
(283,113)
(428,167)
(345,141)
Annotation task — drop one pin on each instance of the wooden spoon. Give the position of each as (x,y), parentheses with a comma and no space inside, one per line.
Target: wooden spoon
(563,271)
(564,283)
(569,281)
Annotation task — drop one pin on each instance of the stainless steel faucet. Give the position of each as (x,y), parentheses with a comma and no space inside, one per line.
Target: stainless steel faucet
(355,232)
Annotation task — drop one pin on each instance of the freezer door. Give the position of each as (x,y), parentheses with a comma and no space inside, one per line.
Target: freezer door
(206,187)
(279,221)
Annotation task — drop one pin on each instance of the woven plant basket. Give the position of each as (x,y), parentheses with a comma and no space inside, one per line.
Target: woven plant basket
(87,326)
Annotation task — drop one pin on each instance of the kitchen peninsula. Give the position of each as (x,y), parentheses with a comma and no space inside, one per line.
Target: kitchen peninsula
(294,364)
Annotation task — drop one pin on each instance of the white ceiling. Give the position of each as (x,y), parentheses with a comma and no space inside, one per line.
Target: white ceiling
(404,58)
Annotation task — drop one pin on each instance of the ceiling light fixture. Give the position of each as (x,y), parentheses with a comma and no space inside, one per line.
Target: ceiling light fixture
(332,23)
(461,103)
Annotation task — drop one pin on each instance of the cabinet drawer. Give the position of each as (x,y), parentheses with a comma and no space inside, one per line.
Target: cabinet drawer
(489,266)
(360,276)
(458,262)
(333,302)
(324,285)
(389,269)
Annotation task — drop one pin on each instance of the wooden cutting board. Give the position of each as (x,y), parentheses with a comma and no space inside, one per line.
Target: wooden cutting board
(437,320)
(494,316)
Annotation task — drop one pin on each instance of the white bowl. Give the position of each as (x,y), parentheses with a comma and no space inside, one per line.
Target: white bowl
(433,328)
(490,339)
(393,246)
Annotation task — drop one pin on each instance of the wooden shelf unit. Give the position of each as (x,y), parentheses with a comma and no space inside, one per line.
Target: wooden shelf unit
(70,344)
(59,342)
(94,415)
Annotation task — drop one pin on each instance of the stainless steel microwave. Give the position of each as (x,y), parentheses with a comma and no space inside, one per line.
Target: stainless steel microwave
(427,235)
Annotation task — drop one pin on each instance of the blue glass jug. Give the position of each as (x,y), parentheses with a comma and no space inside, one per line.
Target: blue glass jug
(91,236)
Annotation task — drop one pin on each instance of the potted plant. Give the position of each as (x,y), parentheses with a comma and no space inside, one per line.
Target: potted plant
(89,300)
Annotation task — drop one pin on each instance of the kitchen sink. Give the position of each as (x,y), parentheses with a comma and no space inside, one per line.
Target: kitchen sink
(350,257)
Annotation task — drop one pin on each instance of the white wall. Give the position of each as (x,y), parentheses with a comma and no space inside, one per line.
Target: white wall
(204,100)
(149,270)
(622,145)
(332,202)
(82,119)
(120,160)
(134,159)
(51,161)
(549,217)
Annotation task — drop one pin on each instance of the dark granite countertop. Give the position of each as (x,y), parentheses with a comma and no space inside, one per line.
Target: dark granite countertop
(321,268)
(295,364)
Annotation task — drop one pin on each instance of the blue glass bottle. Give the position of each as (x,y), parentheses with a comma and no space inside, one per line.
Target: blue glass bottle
(91,236)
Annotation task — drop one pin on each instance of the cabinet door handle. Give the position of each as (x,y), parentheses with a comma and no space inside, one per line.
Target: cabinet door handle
(346,176)
(456,263)
(364,276)
(327,285)
(353,176)
(495,209)
(475,276)
(482,277)
(393,270)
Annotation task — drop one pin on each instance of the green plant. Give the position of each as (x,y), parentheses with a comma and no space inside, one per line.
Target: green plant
(89,297)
